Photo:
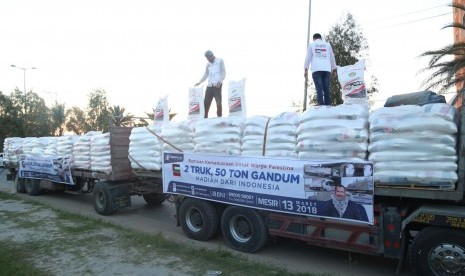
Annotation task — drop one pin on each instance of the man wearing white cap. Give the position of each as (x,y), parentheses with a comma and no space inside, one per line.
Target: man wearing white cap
(215,72)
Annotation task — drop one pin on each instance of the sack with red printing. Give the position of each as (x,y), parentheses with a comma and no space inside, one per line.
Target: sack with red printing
(161,112)
(351,78)
(196,106)
(236,98)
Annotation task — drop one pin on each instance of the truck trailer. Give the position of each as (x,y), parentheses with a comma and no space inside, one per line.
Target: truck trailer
(110,190)
(424,224)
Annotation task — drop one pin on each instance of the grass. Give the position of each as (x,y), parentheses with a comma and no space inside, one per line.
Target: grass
(94,235)
(13,260)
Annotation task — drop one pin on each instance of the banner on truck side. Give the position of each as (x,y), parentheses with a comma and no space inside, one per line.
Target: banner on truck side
(53,168)
(342,190)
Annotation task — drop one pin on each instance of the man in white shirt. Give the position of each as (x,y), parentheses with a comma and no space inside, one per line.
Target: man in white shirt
(216,73)
(321,57)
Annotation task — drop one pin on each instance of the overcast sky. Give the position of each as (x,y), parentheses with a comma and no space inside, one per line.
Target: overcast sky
(141,50)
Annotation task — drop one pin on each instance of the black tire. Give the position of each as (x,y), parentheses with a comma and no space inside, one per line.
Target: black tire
(154,199)
(199,219)
(20,185)
(32,186)
(243,229)
(438,251)
(103,201)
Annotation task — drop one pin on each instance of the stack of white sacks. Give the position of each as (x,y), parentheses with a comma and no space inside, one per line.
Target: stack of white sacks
(100,154)
(253,137)
(12,146)
(65,145)
(333,132)
(219,135)
(28,144)
(413,144)
(145,149)
(278,138)
(51,147)
(178,134)
(81,151)
(281,135)
(39,146)
(408,144)
(35,145)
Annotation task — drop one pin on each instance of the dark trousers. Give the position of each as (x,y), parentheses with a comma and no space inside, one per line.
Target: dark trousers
(210,93)
(321,80)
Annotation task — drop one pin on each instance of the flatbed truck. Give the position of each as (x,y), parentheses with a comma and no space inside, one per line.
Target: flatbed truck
(411,222)
(110,191)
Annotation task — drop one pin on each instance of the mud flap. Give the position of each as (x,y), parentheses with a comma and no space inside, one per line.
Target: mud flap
(120,196)
(403,250)
(392,233)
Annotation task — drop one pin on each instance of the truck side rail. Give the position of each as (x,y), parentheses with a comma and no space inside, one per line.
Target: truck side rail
(450,216)
(316,232)
(455,195)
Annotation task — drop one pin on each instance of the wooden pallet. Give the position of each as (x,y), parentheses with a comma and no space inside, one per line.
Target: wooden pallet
(147,173)
(415,186)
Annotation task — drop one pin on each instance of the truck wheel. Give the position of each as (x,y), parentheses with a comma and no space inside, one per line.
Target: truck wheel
(20,185)
(103,203)
(199,219)
(154,199)
(438,251)
(32,186)
(243,229)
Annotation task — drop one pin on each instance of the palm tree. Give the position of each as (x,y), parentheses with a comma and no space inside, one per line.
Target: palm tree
(77,121)
(58,118)
(118,117)
(151,115)
(447,63)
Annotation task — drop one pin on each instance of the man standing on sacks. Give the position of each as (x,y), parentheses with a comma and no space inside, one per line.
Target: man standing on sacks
(323,64)
(216,72)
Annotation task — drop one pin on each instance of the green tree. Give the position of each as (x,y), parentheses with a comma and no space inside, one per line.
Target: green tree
(10,122)
(118,117)
(33,115)
(446,64)
(58,118)
(151,115)
(349,46)
(38,121)
(38,117)
(372,90)
(17,100)
(97,111)
(298,106)
(76,122)
(143,122)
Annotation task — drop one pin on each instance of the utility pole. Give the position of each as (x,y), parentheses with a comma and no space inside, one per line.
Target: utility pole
(24,81)
(25,93)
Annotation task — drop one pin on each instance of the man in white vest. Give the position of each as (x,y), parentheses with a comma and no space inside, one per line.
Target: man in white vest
(321,57)
(215,72)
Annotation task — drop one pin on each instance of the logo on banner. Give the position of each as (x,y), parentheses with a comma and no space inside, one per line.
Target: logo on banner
(176,170)
(173,157)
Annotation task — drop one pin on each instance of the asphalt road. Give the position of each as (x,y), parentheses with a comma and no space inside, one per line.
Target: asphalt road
(293,255)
